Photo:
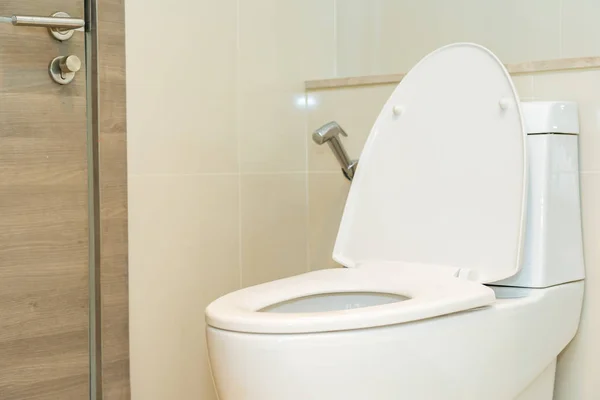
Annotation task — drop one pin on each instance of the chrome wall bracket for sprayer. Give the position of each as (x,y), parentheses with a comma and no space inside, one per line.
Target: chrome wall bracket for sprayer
(329,133)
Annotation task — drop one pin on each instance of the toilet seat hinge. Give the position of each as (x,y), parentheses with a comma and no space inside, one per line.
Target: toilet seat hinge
(466,274)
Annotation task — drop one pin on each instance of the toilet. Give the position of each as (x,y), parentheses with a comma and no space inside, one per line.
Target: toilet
(462,247)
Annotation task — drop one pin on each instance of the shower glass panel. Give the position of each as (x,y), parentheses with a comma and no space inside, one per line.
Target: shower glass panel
(48,334)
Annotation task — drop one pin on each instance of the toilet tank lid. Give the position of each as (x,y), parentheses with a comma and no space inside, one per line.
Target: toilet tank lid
(442,177)
(550,117)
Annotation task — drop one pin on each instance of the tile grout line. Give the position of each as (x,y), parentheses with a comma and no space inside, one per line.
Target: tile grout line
(335,40)
(274,173)
(239,147)
(376,49)
(232,174)
(306,184)
(325,172)
(172,174)
(560,27)
(257,173)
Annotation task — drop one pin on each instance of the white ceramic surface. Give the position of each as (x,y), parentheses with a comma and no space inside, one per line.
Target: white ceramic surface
(401,330)
(431,291)
(550,117)
(553,250)
(493,354)
(442,177)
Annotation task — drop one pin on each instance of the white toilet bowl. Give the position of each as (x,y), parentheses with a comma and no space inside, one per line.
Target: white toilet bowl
(464,280)
(493,353)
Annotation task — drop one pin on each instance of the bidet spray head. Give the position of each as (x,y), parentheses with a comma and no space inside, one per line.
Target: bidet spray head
(329,133)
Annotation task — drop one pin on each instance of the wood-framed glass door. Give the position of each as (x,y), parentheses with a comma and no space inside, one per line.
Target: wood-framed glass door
(44,211)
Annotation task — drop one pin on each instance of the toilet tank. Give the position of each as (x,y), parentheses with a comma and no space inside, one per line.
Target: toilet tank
(553,246)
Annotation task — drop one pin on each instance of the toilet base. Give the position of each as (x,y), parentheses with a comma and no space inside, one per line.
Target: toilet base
(543,387)
(506,351)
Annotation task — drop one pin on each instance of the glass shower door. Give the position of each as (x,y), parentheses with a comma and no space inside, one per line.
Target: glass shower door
(44,203)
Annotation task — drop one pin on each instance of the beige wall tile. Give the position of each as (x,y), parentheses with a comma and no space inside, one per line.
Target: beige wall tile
(274,220)
(388,36)
(580,28)
(327,194)
(524,86)
(184,253)
(399,25)
(272,131)
(355,109)
(520,30)
(181,87)
(582,87)
(411,30)
(357,44)
(281,45)
(285,42)
(236,69)
(579,365)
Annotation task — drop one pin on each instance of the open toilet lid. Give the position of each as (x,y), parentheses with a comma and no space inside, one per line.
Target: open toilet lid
(442,177)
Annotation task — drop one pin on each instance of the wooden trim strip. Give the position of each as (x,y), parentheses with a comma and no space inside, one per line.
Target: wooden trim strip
(353,81)
(530,67)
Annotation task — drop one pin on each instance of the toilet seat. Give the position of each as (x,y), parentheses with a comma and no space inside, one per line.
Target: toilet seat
(432,291)
(442,177)
(435,211)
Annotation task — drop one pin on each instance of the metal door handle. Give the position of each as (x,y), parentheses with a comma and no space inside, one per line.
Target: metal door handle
(48,22)
(60,24)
